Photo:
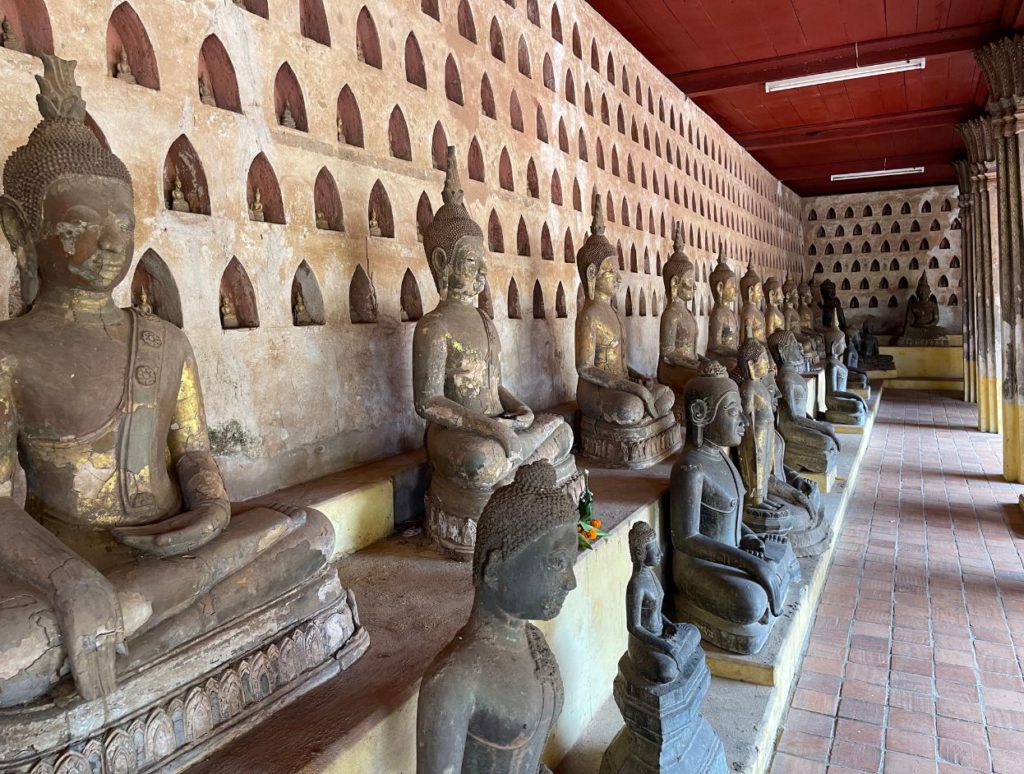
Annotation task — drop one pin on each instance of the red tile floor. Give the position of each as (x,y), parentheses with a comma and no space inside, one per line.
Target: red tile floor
(914,661)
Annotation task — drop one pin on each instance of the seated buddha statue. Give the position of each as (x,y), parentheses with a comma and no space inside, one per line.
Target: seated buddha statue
(626,417)
(774,319)
(679,358)
(123,70)
(868,355)
(731,582)
(752,320)
(921,327)
(831,306)
(841,407)
(178,202)
(810,445)
(125,576)
(808,328)
(723,327)
(478,432)
(489,700)
(777,499)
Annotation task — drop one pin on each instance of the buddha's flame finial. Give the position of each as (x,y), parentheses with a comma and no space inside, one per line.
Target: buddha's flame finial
(677,238)
(59,96)
(597,224)
(452,193)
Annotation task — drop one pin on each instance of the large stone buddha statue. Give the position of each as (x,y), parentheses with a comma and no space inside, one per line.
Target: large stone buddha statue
(723,326)
(488,701)
(752,320)
(921,327)
(627,417)
(130,591)
(808,327)
(774,319)
(841,407)
(679,359)
(478,432)
(730,582)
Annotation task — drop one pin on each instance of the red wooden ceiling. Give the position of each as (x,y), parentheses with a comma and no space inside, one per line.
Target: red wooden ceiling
(721,52)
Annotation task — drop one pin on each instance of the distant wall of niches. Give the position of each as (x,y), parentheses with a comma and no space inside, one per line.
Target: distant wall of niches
(874,247)
(330,117)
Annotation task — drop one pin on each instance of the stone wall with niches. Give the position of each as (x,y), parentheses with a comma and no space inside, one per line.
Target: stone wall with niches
(546,105)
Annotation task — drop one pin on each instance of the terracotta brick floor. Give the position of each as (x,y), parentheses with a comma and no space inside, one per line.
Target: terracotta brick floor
(914,662)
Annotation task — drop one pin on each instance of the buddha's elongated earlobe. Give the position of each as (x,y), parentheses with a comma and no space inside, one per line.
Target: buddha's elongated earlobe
(15,227)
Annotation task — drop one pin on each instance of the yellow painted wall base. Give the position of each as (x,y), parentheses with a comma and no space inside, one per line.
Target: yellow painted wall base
(864,392)
(1013,437)
(883,375)
(849,429)
(927,362)
(825,481)
(990,404)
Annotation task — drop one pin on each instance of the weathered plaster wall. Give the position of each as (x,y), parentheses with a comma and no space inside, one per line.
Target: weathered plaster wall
(874,247)
(288,403)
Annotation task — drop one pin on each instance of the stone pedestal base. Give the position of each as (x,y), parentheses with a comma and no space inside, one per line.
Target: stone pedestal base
(864,392)
(812,541)
(452,511)
(665,731)
(825,481)
(175,709)
(611,446)
(733,637)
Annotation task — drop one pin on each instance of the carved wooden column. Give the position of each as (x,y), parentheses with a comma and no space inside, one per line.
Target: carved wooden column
(983,273)
(1003,65)
(970,308)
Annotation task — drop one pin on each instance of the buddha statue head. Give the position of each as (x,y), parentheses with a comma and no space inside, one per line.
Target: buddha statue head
(773,291)
(750,286)
(924,289)
(597,260)
(754,360)
(644,548)
(454,242)
(791,292)
(835,339)
(785,348)
(723,282)
(679,273)
(67,204)
(526,546)
(713,408)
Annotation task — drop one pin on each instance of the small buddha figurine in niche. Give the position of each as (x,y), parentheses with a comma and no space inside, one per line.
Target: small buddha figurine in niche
(752,322)
(627,417)
(374,224)
(679,360)
(841,407)
(488,701)
(300,315)
(774,319)
(341,130)
(321,221)
(228,317)
(777,498)
(478,432)
(810,445)
(256,208)
(127,578)
(921,327)
(360,54)
(731,583)
(9,38)
(662,680)
(123,70)
(178,203)
(205,92)
(287,119)
(723,327)
(143,306)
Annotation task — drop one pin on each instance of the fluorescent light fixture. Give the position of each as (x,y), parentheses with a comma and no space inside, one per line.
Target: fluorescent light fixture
(886,68)
(878,173)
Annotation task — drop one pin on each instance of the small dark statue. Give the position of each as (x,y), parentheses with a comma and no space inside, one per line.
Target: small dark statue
(489,700)
(842,407)
(662,680)
(868,356)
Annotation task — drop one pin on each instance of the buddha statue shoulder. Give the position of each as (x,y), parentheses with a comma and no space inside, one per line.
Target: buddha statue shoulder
(841,406)
(774,318)
(608,389)
(478,432)
(730,582)
(723,326)
(488,701)
(921,328)
(125,548)
(752,320)
(810,445)
(679,360)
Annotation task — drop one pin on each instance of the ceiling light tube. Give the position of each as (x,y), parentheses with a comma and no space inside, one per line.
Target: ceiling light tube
(885,68)
(878,173)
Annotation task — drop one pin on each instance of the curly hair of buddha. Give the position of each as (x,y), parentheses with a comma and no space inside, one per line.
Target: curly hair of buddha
(452,222)
(641,535)
(518,513)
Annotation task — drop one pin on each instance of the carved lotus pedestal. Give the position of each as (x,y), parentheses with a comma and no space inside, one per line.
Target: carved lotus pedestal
(452,509)
(665,731)
(612,446)
(808,534)
(173,706)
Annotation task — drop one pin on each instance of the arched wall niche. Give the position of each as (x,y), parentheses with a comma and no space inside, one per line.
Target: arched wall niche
(514,311)
(475,161)
(424,215)
(30,22)
(398,135)
(313,21)
(263,179)
(218,84)
(538,301)
(483,301)
(411,302)
(288,99)
(367,40)
(379,210)
(505,179)
(257,7)
(183,166)
(350,120)
(522,239)
(307,302)
(430,8)
(466,25)
(547,250)
(238,307)
(497,41)
(487,106)
(327,208)
(130,55)
(362,298)
(415,70)
(153,285)
(561,312)
(453,81)
(495,234)
(439,148)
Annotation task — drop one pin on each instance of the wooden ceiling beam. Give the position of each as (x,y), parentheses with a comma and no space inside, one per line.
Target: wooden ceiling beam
(824,170)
